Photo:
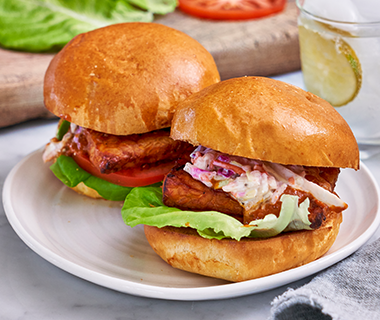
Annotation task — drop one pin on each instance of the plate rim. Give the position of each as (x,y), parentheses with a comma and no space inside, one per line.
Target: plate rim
(224,291)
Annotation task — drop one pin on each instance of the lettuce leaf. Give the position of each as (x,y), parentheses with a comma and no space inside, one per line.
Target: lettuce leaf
(47,25)
(145,206)
(62,129)
(67,170)
(155,6)
(300,219)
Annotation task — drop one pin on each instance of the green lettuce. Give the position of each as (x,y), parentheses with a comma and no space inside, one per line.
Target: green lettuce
(62,129)
(67,170)
(145,206)
(47,25)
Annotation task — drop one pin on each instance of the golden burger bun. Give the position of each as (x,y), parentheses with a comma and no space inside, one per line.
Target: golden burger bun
(266,119)
(258,118)
(126,78)
(247,259)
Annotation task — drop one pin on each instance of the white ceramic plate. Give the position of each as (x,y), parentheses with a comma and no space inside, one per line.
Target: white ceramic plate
(89,239)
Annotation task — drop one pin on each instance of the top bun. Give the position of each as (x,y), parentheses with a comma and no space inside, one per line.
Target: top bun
(266,119)
(126,78)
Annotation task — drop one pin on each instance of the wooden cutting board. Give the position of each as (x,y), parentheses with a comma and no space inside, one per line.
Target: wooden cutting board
(264,47)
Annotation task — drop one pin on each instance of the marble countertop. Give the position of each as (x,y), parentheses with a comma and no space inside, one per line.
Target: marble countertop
(33,289)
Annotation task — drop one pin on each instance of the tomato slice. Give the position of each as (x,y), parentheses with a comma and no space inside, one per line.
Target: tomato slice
(134,177)
(231,9)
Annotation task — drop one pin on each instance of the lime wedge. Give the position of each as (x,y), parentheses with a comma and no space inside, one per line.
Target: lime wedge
(331,69)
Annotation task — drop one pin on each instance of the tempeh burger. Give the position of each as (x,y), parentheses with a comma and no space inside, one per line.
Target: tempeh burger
(257,197)
(116,89)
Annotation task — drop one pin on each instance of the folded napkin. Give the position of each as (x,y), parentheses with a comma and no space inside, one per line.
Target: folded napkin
(348,290)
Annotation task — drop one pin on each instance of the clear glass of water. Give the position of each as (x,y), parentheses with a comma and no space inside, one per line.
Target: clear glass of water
(340,58)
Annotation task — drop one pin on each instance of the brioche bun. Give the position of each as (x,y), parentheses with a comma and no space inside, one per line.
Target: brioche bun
(126,78)
(241,260)
(266,119)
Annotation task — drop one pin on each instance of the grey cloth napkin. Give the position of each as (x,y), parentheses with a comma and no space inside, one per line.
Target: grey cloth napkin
(345,291)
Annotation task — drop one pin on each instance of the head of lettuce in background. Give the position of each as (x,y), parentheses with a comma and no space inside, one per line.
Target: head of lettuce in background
(47,25)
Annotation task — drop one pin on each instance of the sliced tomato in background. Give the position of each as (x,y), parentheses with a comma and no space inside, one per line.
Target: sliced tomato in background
(231,9)
(134,177)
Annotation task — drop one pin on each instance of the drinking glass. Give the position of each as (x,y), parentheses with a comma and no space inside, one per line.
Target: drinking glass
(340,59)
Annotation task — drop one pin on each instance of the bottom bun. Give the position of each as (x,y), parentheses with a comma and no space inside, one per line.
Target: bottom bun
(241,260)
(81,188)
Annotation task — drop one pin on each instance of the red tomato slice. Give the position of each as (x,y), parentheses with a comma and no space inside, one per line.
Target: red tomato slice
(134,177)
(231,9)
